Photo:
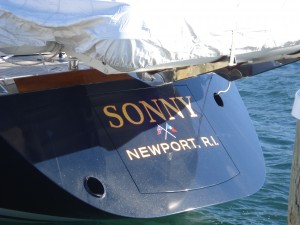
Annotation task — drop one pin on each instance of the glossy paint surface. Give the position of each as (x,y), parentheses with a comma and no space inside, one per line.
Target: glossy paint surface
(155,150)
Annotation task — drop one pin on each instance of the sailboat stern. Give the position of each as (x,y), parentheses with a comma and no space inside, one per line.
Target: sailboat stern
(138,152)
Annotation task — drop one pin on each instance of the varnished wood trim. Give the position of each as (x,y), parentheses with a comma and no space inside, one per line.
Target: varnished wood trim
(65,79)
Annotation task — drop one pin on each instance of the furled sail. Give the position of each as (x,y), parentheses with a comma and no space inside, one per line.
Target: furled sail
(131,36)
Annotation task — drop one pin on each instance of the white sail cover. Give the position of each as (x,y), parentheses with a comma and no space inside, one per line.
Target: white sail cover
(132,35)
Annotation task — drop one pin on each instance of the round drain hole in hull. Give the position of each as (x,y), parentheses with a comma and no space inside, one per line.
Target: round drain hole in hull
(218,100)
(94,186)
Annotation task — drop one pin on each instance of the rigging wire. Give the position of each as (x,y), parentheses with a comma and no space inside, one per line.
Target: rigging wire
(43,59)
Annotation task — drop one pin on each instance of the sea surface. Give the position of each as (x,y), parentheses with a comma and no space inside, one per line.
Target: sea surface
(269,98)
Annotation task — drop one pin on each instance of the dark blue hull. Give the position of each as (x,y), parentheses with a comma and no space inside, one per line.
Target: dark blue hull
(125,149)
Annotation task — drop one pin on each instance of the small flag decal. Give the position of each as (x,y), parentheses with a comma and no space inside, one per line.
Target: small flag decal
(169,127)
(159,129)
(167,130)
